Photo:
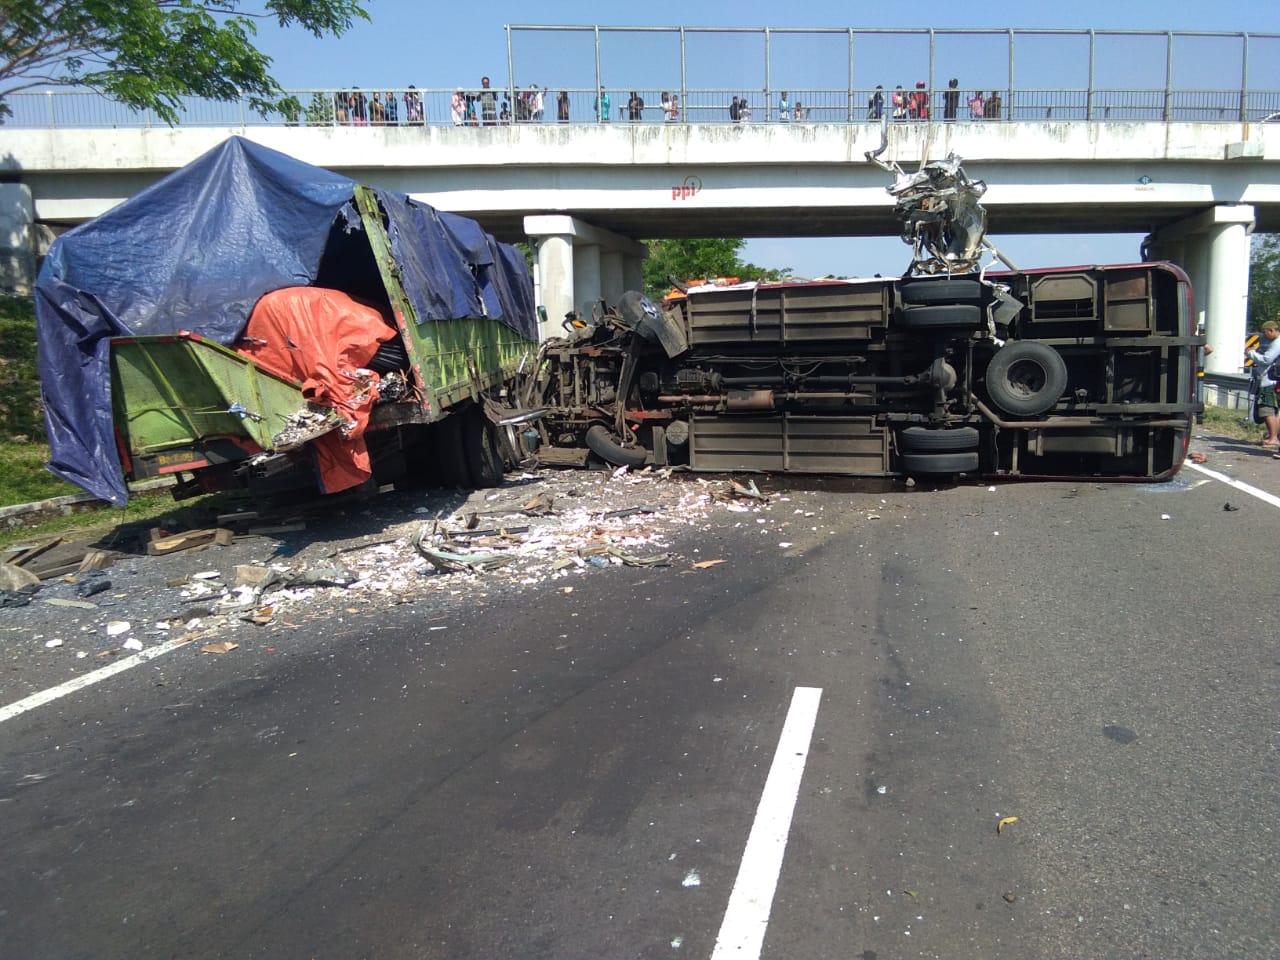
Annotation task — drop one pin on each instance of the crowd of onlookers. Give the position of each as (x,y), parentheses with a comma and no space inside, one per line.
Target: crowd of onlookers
(914,104)
(487,106)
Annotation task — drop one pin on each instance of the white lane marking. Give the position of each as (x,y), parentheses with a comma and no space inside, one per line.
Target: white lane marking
(89,679)
(1238,484)
(747,916)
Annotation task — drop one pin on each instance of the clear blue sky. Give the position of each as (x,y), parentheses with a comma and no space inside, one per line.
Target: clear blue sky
(444,45)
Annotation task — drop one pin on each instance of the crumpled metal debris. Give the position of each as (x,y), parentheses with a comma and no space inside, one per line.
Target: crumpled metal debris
(450,561)
(304,425)
(323,575)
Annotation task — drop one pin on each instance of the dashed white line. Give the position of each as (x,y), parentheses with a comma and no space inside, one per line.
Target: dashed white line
(89,679)
(1238,484)
(747,916)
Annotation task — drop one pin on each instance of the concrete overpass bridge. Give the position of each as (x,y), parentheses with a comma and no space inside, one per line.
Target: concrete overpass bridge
(584,194)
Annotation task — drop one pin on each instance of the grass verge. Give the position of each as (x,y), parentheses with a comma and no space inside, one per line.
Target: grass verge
(23,478)
(1235,424)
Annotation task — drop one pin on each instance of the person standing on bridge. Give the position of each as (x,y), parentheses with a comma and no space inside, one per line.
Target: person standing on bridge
(784,108)
(1266,408)
(488,103)
(951,100)
(875,104)
(899,103)
(918,102)
(562,107)
(977,106)
(995,106)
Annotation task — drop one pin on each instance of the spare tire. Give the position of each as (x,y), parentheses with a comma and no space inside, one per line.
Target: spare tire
(941,440)
(941,316)
(601,443)
(941,290)
(1026,378)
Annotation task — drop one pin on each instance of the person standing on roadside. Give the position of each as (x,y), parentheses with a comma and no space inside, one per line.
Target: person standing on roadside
(1266,406)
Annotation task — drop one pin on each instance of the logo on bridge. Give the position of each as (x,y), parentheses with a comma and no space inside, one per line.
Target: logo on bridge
(691,187)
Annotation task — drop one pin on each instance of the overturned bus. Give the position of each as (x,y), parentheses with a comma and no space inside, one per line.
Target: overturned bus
(252,321)
(1078,372)
(950,369)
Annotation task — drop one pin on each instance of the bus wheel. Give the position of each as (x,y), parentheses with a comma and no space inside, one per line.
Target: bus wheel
(925,440)
(609,450)
(940,316)
(945,290)
(1026,378)
(936,463)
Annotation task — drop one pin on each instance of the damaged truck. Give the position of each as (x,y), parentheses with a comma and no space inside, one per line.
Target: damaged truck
(950,369)
(252,321)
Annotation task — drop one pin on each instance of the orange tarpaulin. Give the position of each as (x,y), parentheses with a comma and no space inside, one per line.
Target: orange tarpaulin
(323,338)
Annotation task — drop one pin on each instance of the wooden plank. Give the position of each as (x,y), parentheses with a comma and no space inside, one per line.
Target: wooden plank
(188,540)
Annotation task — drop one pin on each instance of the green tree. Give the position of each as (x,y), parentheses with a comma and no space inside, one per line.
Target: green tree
(700,259)
(151,53)
(1264,280)
(319,112)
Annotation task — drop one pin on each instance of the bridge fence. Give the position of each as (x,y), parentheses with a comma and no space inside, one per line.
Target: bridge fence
(74,109)
(1233,77)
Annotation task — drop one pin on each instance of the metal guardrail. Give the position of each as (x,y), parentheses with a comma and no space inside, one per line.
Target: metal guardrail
(1228,390)
(1237,99)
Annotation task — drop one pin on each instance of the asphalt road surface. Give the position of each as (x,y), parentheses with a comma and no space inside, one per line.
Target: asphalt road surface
(548,774)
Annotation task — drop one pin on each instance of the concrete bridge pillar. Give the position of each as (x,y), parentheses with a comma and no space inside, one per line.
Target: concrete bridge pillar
(579,264)
(17,239)
(1214,248)
(632,273)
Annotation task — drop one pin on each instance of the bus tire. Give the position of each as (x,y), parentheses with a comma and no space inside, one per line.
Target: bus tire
(609,450)
(1026,378)
(940,316)
(940,291)
(939,463)
(942,440)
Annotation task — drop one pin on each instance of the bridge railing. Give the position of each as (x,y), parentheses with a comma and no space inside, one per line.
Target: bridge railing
(71,109)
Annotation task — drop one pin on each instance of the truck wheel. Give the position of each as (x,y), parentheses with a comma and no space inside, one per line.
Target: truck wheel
(940,316)
(484,462)
(935,463)
(451,461)
(926,440)
(1026,378)
(943,290)
(609,450)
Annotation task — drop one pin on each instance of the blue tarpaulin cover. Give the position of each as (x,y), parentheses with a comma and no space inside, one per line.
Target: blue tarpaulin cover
(196,250)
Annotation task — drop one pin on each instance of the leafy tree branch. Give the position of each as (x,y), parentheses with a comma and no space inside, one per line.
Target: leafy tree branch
(149,54)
